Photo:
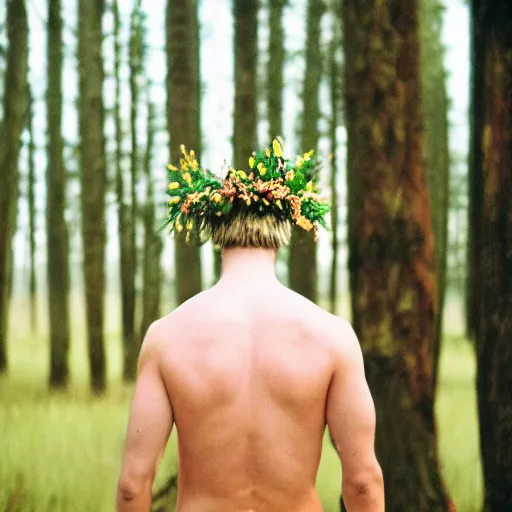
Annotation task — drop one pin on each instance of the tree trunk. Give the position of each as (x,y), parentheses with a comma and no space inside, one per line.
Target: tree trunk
(32,285)
(57,244)
(437,151)
(391,262)
(492,203)
(475,182)
(152,243)
(245,14)
(184,120)
(15,105)
(125,218)
(276,61)
(302,262)
(93,180)
(335,89)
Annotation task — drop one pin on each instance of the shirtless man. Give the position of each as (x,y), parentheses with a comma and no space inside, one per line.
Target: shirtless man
(251,373)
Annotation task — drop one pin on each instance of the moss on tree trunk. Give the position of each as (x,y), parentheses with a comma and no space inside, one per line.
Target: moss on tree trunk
(391,253)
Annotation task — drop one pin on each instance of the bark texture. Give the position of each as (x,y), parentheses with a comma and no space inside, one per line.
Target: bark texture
(302,262)
(276,60)
(245,13)
(184,121)
(15,105)
(491,185)
(57,245)
(93,178)
(391,253)
(437,151)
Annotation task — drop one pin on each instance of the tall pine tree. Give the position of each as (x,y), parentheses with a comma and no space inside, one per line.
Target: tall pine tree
(184,120)
(57,244)
(391,259)
(93,180)
(491,223)
(15,105)
(437,151)
(302,262)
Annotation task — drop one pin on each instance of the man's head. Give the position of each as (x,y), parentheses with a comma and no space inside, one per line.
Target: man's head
(252,231)
(253,209)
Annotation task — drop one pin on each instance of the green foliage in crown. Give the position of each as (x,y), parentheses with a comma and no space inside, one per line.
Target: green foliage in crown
(199,201)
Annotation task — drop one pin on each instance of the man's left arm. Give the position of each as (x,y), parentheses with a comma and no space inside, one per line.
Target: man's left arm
(149,427)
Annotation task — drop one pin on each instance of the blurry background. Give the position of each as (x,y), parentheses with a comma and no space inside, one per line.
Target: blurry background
(97,97)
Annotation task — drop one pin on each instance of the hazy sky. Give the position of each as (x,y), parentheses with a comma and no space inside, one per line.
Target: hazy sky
(217,71)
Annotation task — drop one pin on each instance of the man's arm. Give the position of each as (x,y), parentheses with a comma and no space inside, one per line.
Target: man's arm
(149,427)
(351,421)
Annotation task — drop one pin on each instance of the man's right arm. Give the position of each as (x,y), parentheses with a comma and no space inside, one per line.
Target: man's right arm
(351,421)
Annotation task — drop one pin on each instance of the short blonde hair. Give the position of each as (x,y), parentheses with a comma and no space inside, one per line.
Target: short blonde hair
(252,231)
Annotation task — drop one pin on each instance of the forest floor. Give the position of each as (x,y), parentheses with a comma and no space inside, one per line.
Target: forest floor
(62,452)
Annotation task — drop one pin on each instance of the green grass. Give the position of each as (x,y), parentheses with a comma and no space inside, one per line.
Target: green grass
(62,452)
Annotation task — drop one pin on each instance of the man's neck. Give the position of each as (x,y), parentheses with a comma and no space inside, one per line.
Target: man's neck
(248,265)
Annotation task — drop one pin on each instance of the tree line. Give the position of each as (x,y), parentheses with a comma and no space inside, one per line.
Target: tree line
(385,72)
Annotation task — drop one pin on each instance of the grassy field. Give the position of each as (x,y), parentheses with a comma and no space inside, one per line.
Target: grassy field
(62,452)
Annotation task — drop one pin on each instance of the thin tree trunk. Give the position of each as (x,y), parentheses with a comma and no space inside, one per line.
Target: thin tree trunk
(492,204)
(93,180)
(391,263)
(152,243)
(130,344)
(435,120)
(302,262)
(276,61)
(57,244)
(245,13)
(15,106)
(184,120)
(475,182)
(125,221)
(335,89)
(32,215)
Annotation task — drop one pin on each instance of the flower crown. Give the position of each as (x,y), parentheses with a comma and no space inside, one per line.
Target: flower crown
(199,201)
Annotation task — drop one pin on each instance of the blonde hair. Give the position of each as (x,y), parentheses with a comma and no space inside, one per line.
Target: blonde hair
(252,231)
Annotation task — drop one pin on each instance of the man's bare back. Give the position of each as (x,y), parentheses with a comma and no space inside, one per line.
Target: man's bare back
(248,373)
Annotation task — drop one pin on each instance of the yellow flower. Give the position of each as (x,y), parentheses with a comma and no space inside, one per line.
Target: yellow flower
(251,162)
(179,227)
(187,238)
(304,223)
(265,202)
(219,214)
(308,155)
(242,175)
(183,149)
(299,162)
(216,197)
(248,202)
(172,167)
(309,186)
(190,225)
(290,175)
(187,178)
(262,169)
(278,202)
(277,148)
(267,153)
(175,200)
(174,185)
